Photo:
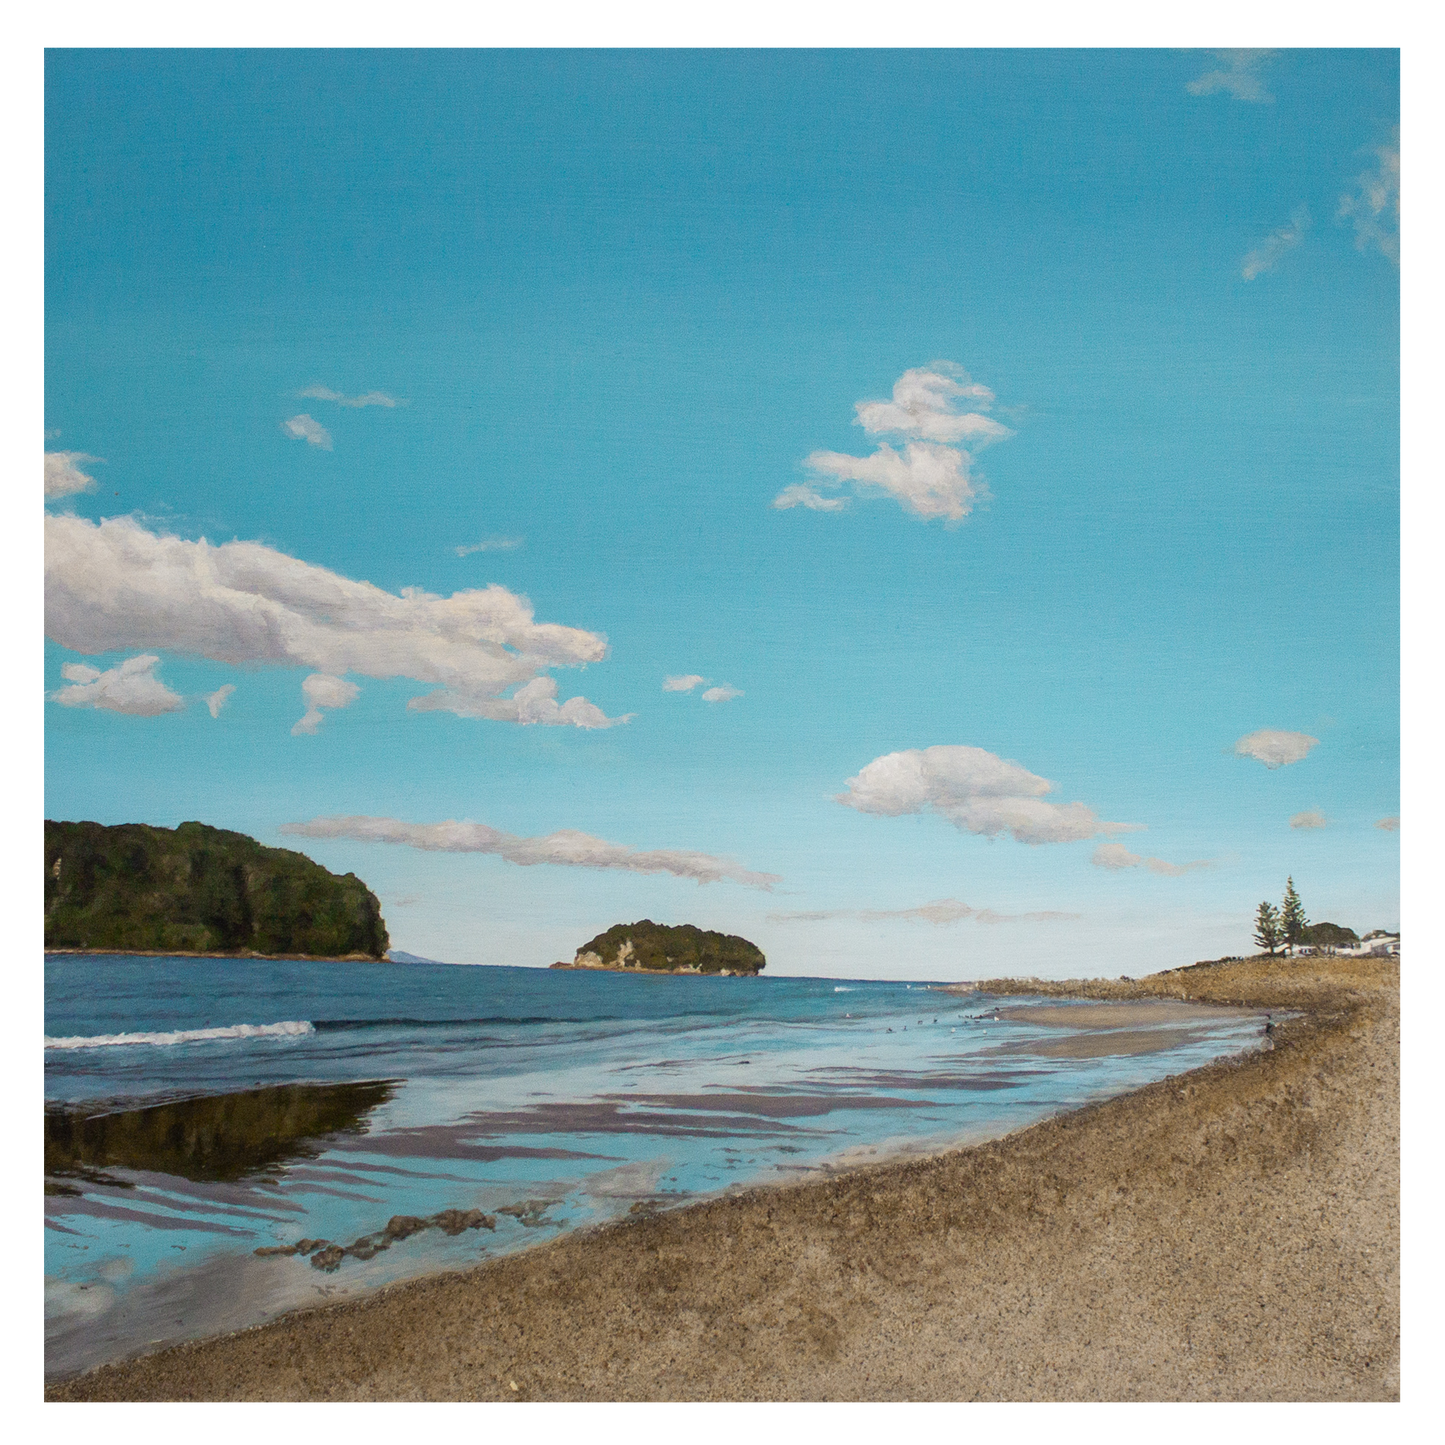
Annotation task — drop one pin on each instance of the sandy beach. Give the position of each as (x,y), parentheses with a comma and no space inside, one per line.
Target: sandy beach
(1227,1234)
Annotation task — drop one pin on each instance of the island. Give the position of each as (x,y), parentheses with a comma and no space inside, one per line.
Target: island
(648,947)
(195,889)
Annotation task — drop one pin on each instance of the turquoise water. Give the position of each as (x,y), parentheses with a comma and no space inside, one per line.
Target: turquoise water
(200,1109)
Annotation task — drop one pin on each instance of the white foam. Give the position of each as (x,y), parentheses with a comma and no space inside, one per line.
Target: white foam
(291,1028)
(841,989)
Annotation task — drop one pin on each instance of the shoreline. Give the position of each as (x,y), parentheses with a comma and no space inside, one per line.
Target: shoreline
(1228,1233)
(234,954)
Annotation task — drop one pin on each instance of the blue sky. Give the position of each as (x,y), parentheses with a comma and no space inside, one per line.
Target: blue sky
(620,299)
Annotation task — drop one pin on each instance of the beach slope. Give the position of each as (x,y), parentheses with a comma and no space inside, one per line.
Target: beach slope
(1228,1234)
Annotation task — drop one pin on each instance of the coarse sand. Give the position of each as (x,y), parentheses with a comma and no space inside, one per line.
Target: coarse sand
(1227,1234)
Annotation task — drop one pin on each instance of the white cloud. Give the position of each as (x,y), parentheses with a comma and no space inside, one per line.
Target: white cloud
(685,683)
(924,406)
(1266,256)
(943,911)
(1273,748)
(932,476)
(567,848)
(112,585)
(1389,825)
(63,477)
(726,693)
(491,544)
(217,700)
(977,791)
(798,495)
(321,690)
(1374,205)
(1239,77)
(308,429)
(1312,819)
(129,687)
(1118,857)
(532,703)
(371,398)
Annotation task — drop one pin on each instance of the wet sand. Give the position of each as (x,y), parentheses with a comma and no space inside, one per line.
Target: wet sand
(1228,1234)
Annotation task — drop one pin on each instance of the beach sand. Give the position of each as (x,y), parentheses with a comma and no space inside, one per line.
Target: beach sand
(1227,1234)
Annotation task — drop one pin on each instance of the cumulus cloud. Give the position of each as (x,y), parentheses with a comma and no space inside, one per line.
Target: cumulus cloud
(129,687)
(942,911)
(1311,819)
(1117,857)
(798,495)
(1389,825)
(112,584)
(491,544)
(726,693)
(1238,76)
(321,690)
(217,700)
(1374,204)
(1267,255)
(684,683)
(63,477)
(371,398)
(977,791)
(567,848)
(1273,748)
(306,428)
(933,410)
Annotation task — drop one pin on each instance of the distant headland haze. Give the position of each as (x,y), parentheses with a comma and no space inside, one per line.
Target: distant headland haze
(194,889)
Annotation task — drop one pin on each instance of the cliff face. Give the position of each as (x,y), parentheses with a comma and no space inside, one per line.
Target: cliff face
(195,889)
(657,948)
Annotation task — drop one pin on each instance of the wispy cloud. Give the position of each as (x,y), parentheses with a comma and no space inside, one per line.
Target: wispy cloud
(306,428)
(566,848)
(322,690)
(977,791)
(933,410)
(491,544)
(939,913)
(1311,819)
(371,398)
(1267,255)
(218,699)
(1388,825)
(1273,748)
(112,584)
(129,687)
(1374,204)
(1117,857)
(63,477)
(685,683)
(1238,75)
(725,693)
(798,495)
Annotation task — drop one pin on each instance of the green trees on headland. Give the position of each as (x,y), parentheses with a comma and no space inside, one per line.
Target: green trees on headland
(1283,925)
(657,948)
(196,889)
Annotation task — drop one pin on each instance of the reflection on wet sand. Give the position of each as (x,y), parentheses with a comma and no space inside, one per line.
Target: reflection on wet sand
(220,1137)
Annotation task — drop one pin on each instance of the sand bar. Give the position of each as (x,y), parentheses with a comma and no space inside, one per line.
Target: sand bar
(1228,1234)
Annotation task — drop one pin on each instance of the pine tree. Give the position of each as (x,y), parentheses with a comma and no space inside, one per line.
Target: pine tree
(1292,920)
(1266,927)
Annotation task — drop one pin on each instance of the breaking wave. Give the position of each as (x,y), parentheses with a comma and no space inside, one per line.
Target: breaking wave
(291,1028)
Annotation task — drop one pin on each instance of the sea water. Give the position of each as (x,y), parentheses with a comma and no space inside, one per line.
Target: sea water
(201,1109)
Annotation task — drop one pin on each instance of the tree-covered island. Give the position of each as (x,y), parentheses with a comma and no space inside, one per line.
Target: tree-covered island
(196,889)
(650,947)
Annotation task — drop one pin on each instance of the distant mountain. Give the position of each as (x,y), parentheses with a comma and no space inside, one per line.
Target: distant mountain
(657,948)
(197,889)
(396,955)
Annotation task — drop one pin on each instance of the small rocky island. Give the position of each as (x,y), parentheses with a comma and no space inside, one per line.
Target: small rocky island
(200,890)
(648,947)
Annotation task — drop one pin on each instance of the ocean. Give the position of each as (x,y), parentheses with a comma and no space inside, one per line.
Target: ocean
(403,1119)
